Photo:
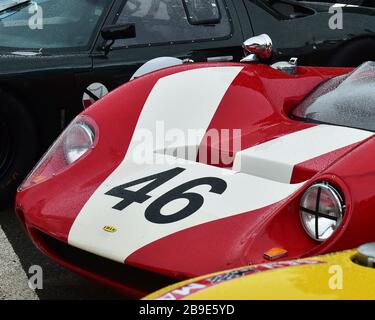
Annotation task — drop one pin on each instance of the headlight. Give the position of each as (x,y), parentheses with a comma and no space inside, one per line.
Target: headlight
(365,255)
(77,139)
(321,211)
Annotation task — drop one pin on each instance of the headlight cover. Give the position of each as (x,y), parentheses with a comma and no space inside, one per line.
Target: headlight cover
(75,142)
(321,211)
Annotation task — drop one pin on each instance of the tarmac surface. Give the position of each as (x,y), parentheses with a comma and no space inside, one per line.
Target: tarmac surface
(18,254)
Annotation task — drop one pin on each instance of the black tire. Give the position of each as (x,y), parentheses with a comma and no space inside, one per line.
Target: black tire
(18,146)
(354,53)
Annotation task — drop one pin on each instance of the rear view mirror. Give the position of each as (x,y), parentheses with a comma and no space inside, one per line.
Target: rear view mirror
(119,31)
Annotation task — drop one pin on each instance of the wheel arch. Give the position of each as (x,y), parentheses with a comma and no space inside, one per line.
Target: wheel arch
(342,51)
(33,110)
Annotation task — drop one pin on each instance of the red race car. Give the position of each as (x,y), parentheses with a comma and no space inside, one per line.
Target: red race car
(203,167)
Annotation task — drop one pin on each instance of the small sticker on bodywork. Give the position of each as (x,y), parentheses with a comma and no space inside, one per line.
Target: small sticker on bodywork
(93,93)
(203,284)
(110,229)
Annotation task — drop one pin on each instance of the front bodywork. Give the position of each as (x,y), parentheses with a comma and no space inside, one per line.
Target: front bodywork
(242,208)
(329,277)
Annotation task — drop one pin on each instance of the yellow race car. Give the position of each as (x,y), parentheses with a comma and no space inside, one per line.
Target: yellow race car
(345,275)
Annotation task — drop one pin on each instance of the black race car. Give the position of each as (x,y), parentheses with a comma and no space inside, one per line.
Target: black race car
(59,56)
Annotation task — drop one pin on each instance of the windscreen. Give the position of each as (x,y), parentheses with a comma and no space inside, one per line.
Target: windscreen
(50,24)
(347,100)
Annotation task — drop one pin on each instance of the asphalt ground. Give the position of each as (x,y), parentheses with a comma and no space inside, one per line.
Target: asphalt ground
(18,254)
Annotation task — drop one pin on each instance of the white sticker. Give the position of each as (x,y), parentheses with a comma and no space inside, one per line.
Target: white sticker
(93,93)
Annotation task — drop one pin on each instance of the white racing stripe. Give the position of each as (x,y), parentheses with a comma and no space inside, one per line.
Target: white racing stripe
(276,159)
(186,101)
(13,279)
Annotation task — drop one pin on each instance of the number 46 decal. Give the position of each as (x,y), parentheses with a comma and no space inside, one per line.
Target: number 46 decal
(153,211)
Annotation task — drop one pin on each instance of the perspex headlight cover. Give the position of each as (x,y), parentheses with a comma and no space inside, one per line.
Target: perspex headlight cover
(321,211)
(75,142)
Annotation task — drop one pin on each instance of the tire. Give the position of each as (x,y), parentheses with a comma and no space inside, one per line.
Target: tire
(18,146)
(354,53)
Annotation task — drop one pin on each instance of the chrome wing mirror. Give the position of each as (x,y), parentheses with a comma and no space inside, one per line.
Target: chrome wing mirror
(259,47)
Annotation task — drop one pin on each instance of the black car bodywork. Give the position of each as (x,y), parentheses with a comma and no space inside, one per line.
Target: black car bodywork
(42,86)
